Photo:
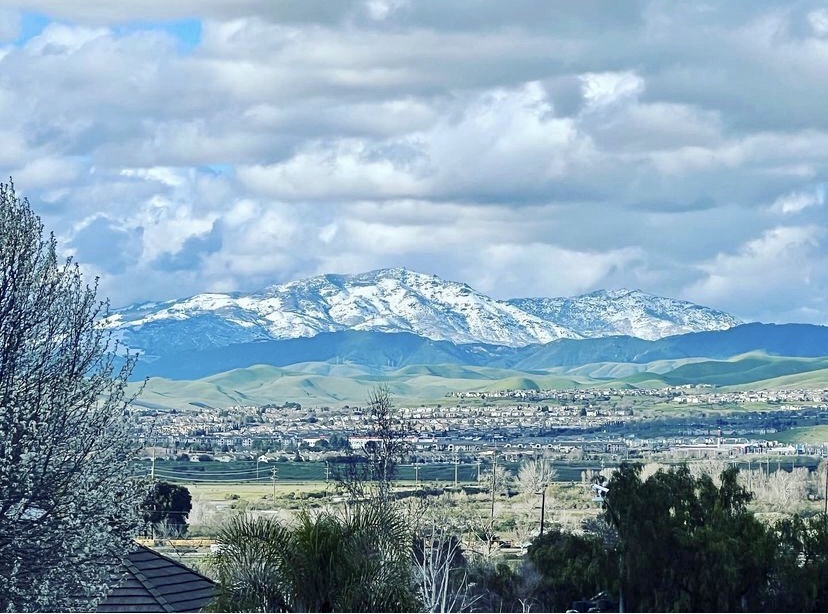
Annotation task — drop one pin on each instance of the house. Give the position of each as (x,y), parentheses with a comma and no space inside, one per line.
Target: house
(151,582)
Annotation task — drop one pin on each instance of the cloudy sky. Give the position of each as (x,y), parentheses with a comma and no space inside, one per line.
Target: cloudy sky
(539,148)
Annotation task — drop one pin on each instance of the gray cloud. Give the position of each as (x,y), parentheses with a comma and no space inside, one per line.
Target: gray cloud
(109,246)
(526,148)
(190,255)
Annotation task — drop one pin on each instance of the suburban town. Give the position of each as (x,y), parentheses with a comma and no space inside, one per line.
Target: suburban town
(687,420)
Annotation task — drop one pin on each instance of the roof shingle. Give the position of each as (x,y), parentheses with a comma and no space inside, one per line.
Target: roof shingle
(155,583)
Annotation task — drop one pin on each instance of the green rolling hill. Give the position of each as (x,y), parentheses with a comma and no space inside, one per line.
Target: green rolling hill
(339,384)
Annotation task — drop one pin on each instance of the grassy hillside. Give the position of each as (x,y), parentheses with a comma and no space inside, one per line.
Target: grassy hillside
(806,434)
(817,378)
(742,370)
(340,384)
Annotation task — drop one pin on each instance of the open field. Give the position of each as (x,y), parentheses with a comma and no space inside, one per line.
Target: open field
(212,474)
(516,516)
(809,434)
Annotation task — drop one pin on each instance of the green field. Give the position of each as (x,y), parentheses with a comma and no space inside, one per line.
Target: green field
(806,434)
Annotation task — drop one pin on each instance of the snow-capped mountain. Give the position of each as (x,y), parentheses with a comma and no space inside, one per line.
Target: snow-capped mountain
(399,300)
(388,300)
(626,312)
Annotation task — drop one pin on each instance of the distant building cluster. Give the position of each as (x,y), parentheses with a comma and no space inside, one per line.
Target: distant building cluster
(570,423)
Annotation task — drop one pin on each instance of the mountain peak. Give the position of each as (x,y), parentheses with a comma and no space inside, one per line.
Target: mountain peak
(613,293)
(402,300)
(636,313)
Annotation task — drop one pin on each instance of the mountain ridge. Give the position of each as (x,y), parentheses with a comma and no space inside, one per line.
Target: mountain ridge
(400,301)
(378,352)
(349,364)
(603,313)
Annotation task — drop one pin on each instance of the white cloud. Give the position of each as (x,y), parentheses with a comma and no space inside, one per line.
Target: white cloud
(9,25)
(542,269)
(818,21)
(346,170)
(655,144)
(59,39)
(608,88)
(779,270)
(498,142)
(47,172)
(795,202)
(379,10)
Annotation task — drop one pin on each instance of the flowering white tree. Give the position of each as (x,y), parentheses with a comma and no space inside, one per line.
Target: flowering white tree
(67,507)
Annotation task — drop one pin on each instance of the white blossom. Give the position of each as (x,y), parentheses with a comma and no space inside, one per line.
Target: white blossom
(67,507)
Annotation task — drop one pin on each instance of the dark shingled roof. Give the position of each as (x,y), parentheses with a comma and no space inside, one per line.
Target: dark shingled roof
(155,583)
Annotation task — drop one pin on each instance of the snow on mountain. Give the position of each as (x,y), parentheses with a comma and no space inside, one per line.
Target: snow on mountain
(388,300)
(399,300)
(626,312)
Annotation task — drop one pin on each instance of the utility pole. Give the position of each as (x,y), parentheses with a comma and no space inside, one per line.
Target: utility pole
(274,475)
(416,475)
(543,506)
(456,460)
(494,472)
(152,478)
(327,472)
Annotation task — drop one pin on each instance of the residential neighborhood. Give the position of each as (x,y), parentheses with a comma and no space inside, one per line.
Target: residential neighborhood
(687,420)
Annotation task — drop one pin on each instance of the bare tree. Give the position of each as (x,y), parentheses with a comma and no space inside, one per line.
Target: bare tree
(391,440)
(67,507)
(778,488)
(712,467)
(371,472)
(535,474)
(440,573)
(498,479)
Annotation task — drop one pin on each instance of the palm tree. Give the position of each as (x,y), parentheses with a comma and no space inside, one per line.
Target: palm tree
(356,562)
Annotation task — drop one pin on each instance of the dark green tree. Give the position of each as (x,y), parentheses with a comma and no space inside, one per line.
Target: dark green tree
(495,587)
(572,567)
(799,575)
(166,506)
(686,544)
(338,442)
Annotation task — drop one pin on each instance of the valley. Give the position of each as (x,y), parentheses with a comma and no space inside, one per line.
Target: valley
(260,403)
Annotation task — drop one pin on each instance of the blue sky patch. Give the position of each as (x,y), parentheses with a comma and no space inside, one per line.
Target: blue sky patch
(186,31)
(31,25)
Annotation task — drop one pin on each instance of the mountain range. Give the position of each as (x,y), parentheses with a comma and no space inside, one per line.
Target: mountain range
(402,301)
(333,336)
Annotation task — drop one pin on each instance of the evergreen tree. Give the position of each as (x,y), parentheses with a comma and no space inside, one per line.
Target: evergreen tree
(67,509)
(573,567)
(685,544)
(167,505)
(801,565)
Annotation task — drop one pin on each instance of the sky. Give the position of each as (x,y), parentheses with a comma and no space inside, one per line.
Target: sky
(543,148)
